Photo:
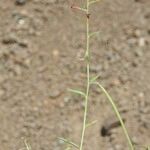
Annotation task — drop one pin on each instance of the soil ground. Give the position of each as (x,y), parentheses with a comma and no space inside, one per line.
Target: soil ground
(41,42)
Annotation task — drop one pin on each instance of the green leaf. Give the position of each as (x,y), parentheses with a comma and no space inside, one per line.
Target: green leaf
(91,123)
(94,1)
(117,114)
(94,33)
(93,79)
(77,92)
(69,142)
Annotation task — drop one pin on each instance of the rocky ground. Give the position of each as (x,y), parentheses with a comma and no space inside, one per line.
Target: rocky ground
(41,42)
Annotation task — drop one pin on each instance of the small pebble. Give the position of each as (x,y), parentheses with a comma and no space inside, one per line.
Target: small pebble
(1,92)
(118,147)
(141,42)
(21,21)
(5,138)
(135,63)
(137,33)
(9,39)
(2,78)
(66,99)
(23,43)
(147,15)
(141,95)
(115,82)
(132,41)
(55,53)
(138,53)
(21,2)
(54,94)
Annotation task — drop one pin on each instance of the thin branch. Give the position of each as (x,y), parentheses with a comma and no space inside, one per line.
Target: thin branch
(69,142)
(87,59)
(77,92)
(93,79)
(117,114)
(94,33)
(91,123)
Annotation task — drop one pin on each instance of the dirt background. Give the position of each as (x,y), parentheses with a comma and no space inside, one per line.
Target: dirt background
(41,42)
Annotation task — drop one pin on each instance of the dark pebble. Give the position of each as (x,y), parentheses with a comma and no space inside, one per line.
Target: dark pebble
(141,1)
(108,125)
(9,40)
(20,2)
(23,44)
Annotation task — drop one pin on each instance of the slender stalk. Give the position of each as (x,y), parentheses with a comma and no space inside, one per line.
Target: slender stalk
(89,82)
(87,56)
(117,114)
(85,109)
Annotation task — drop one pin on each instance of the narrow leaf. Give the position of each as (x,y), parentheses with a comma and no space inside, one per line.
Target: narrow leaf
(77,92)
(93,79)
(94,33)
(117,114)
(93,1)
(68,142)
(91,123)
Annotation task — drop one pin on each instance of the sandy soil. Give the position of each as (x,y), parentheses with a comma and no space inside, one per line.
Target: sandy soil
(41,42)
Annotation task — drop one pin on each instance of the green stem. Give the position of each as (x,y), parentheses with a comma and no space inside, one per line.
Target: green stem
(88,78)
(117,114)
(85,108)
(87,58)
